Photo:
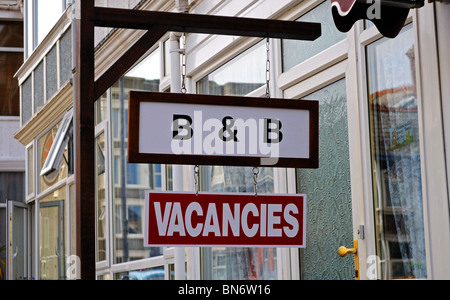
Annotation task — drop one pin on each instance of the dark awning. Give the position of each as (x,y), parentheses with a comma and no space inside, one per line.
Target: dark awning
(389,20)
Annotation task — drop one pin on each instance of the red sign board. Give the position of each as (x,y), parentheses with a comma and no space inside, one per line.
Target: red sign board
(241,220)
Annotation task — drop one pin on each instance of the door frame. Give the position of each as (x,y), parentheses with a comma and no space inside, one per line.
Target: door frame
(432,147)
(11,205)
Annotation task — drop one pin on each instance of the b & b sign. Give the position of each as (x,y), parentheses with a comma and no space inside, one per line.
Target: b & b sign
(227,220)
(190,129)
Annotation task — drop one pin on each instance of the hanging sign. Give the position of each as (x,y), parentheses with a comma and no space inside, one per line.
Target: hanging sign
(216,130)
(240,220)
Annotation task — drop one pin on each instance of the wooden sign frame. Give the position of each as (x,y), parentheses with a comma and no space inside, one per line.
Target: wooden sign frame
(135,156)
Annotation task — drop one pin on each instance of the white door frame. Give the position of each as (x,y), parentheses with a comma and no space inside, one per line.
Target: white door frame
(434,179)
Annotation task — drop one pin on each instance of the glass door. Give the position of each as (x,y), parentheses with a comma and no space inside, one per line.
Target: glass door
(52,239)
(396,157)
(18,249)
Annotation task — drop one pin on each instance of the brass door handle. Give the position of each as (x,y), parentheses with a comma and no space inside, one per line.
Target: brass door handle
(343,252)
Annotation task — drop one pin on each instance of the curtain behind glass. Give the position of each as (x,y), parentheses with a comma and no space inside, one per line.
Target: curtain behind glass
(396,157)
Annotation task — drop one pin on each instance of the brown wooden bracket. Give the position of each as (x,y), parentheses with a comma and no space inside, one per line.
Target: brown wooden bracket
(194,23)
(158,23)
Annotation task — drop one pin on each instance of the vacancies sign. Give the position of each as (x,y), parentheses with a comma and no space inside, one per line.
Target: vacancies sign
(241,220)
(216,130)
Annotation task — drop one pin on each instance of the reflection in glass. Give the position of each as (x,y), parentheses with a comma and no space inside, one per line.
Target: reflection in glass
(239,77)
(145,274)
(10,62)
(45,144)
(131,180)
(296,52)
(101,197)
(396,165)
(52,236)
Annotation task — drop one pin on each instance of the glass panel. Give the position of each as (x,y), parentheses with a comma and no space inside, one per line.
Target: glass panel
(48,13)
(101,109)
(145,274)
(329,223)
(131,180)
(101,198)
(296,52)
(45,144)
(12,187)
(19,244)
(395,141)
(73,217)
(12,34)
(3,223)
(9,87)
(30,171)
(240,76)
(167,58)
(52,250)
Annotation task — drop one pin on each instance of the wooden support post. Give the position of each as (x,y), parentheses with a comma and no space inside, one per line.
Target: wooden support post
(85,141)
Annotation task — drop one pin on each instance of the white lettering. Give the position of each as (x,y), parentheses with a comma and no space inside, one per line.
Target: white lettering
(230,219)
(291,220)
(249,232)
(162,222)
(273,220)
(211,221)
(194,232)
(176,221)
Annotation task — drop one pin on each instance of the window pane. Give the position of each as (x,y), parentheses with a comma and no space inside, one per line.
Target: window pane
(101,186)
(45,144)
(296,52)
(329,223)
(30,171)
(52,236)
(12,34)
(48,13)
(131,180)
(395,140)
(9,87)
(146,274)
(12,186)
(240,76)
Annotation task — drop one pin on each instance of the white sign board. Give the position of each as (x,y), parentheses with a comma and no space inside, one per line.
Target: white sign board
(213,130)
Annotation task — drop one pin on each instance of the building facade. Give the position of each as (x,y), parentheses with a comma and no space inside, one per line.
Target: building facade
(383,178)
(12,156)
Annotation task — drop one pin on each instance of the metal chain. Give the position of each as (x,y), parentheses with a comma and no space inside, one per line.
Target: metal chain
(196,176)
(268,95)
(255,172)
(183,66)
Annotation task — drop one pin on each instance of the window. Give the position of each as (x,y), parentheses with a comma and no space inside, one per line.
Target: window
(12,186)
(296,52)
(52,235)
(58,147)
(396,157)
(240,76)
(45,144)
(40,17)
(131,180)
(30,170)
(11,58)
